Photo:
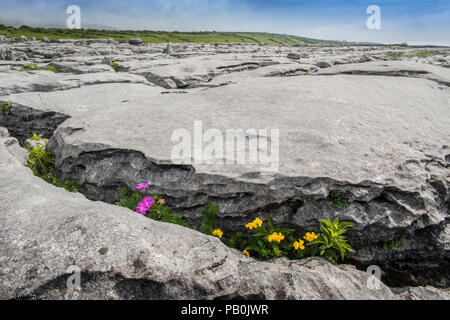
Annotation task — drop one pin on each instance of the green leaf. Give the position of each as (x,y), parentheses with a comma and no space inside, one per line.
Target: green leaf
(209,218)
(270,223)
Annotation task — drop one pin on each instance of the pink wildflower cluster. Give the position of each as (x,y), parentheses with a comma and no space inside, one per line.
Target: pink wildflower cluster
(144,205)
(142,186)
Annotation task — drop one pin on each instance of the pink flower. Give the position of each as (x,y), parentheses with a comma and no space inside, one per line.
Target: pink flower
(141,209)
(142,186)
(149,201)
(144,205)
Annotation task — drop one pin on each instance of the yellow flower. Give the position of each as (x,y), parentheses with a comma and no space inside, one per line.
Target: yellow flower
(255,224)
(245,252)
(278,237)
(218,233)
(299,245)
(250,225)
(45,140)
(161,202)
(310,236)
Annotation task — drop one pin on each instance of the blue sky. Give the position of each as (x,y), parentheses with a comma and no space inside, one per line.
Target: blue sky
(415,22)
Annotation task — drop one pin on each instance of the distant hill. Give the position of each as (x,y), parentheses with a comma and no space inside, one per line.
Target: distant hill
(57,24)
(61,25)
(159,36)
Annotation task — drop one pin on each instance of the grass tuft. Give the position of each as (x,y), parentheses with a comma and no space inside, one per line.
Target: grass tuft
(42,163)
(338,199)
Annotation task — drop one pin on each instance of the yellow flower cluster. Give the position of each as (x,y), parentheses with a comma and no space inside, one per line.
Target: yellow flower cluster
(245,252)
(278,237)
(310,236)
(218,233)
(45,140)
(299,245)
(161,202)
(255,224)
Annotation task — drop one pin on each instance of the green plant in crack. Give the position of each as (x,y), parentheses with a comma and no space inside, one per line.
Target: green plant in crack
(115,67)
(30,67)
(41,162)
(265,241)
(235,241)
(6,108)
(36,137)
(34,67)
(392,244)
(209,218)
(159,211)
(331,241)
(338,200)
(50,68)
(268,242)
(153,208)
(129,200)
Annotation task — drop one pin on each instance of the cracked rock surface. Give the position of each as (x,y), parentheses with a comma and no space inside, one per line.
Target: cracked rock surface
(352,119)
(122,255)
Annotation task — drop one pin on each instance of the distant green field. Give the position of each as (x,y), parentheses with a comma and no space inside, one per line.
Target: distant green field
(158,36)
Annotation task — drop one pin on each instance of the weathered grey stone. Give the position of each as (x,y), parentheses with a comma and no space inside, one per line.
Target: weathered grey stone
(45,81)
(12,55)
(12,146)
(84,100)
(193,71)
(135,41)
(23,121)
(107,61)
(422,293)
(277,70)
(168,49)
(162,82)
(74,68)
(393,68)
(324,64)
(294,56)
(4,132)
